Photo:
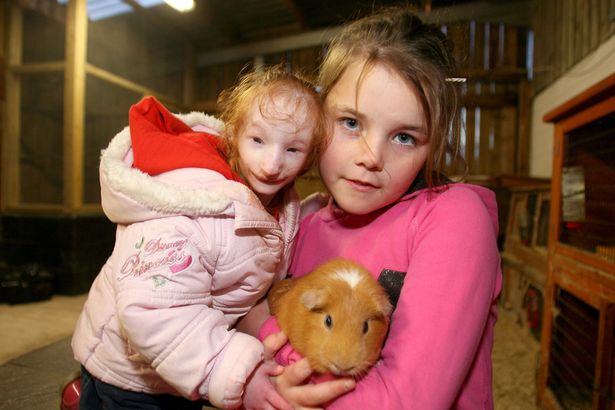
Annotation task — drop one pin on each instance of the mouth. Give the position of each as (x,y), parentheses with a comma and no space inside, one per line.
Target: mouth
(361,186)
(270,181)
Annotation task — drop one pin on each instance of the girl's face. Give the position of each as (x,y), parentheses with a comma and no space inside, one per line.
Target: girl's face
(273,148)
(379,141)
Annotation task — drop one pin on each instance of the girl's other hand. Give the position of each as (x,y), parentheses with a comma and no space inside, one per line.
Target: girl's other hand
(309,396)
(260,393)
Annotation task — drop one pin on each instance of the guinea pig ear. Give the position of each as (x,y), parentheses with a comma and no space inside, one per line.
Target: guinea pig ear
(384,305)
(313,299)
(276,292)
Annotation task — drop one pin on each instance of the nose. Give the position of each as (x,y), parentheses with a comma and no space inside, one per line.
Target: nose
(370,153)
(272,164)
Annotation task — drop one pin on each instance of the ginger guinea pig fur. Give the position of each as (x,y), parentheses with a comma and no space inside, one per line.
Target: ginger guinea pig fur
(336,316)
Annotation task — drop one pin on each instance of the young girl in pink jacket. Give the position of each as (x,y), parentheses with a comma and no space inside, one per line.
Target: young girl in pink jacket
(205,223)
(386,84)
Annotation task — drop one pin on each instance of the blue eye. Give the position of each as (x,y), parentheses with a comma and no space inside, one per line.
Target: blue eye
(404,139)
(351,123)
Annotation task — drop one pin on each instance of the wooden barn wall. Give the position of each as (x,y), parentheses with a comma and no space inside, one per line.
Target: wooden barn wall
(124,48)
(566,31)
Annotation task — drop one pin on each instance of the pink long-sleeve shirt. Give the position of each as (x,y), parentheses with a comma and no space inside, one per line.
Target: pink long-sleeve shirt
(438,352)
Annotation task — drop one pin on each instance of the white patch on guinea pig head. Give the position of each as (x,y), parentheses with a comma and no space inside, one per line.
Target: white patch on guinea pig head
(351,276)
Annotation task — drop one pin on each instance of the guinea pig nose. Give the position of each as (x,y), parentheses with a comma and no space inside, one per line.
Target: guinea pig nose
(342,370)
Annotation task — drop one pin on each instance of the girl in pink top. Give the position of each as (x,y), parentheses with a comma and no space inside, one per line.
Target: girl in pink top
(432,243)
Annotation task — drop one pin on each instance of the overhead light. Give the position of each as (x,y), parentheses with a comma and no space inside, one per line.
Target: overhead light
(181,5)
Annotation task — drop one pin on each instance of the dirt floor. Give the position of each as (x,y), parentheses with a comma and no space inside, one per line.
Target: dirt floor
(515,364)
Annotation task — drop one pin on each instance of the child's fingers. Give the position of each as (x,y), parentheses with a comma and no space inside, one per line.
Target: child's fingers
(312,395)
(277,402)
(296,373)
(273,343)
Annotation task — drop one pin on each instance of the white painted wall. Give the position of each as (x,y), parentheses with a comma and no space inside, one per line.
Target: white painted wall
(589,71)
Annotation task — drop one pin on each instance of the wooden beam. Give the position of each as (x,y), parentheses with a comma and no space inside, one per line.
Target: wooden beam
(249,51)
(516,13)
(12,114)
(74,103)
(38,68)
(129,85)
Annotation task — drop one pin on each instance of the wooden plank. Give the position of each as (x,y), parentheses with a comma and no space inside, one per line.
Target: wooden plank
(603,20)
(571,30)
(458,33)
(495,57)
(189,85)
(594,24)
(605,358)
(505,143)
(485,147)
(479,47)
(545,343)
(39,68)
(511,48)
(522,162)
(74,103)
(611,14)
(12,121)
(585,28)
(470,122)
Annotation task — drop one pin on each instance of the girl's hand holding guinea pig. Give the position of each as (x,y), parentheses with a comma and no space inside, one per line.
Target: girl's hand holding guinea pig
(290,385)
(259,391)
(336,316)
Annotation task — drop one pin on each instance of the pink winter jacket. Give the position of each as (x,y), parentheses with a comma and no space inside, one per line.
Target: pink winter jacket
(193,253)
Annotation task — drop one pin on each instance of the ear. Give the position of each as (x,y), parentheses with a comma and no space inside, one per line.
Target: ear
(313,299)
(276,292)
(384,306)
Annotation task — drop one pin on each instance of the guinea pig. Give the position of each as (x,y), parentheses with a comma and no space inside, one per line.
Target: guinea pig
(336,316)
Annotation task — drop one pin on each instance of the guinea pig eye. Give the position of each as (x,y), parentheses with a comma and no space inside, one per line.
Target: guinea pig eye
(365,327)
(328,321)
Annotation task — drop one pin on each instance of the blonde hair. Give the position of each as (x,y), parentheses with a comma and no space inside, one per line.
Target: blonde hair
(421,54)
(263,85)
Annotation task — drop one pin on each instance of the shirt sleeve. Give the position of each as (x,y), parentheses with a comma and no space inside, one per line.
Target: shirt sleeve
(443,310)
(165,308)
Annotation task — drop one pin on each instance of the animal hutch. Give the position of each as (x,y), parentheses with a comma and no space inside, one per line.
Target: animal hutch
(577,369)
(524,254)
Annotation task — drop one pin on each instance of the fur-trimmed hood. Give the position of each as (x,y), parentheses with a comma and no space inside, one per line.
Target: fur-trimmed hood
(129,195)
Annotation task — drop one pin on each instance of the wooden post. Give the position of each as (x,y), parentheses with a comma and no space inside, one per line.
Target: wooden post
(74,103)
(3,70)
(12,119)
